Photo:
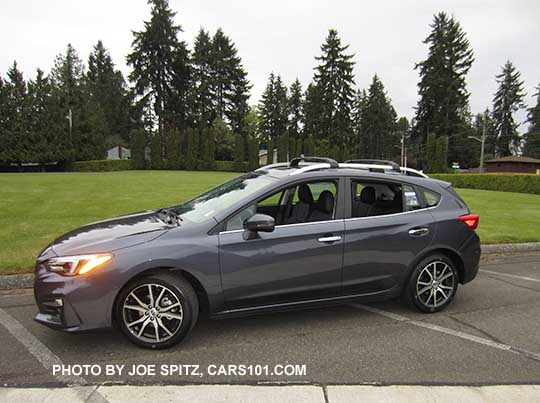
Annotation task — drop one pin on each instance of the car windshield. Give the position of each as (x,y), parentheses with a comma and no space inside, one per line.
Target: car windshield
(220,198)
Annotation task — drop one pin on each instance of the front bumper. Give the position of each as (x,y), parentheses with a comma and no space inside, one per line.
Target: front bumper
(73,304)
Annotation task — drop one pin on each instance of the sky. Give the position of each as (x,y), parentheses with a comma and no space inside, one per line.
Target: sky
(285,36)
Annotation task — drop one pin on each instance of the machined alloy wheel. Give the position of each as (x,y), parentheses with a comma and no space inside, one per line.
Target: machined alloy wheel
(433,284)
(157,311)
(152,312)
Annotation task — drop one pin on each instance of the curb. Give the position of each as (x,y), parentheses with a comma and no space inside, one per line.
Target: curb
(13,281)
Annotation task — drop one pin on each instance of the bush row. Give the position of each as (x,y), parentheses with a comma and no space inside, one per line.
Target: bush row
(101,165)
(123,165)
(519,183)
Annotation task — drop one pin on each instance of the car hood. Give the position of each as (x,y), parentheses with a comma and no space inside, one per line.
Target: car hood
(110,235)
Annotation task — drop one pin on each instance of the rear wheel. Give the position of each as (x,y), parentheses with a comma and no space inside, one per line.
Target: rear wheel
(157,311)
(433,284)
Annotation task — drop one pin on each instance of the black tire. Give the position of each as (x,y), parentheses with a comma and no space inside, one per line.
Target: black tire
(178,318)
(421,285)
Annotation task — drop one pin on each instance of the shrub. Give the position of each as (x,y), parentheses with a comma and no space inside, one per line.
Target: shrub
(519,183)
(101,165)
(231,166)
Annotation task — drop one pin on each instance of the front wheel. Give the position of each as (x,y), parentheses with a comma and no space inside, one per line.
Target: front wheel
(157,311)
(433,284)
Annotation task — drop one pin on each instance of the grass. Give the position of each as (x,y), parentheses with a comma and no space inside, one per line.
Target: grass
(36,208)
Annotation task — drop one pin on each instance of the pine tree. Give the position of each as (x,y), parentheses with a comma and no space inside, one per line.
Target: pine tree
(312,112)
(239,156)
(160,70)
(47,142)
(334,80)
(507,100)
(107,86)
(282,148)
(156,160)
(532,138)
(138,148)
(192,149)
(295,112)
(441,152)
(230,87)
(16,143)
(203,65)
(253,154)
(4,136)
(274,109)
(174,149)
(358,148)
(444,100)
(378,124)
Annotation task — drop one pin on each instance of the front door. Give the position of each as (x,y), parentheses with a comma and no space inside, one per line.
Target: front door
(300,260)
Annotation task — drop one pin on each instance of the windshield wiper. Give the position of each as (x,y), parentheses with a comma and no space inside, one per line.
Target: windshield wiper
(168,216)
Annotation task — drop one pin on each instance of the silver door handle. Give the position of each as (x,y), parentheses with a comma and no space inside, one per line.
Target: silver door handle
(418,231)
(330,239)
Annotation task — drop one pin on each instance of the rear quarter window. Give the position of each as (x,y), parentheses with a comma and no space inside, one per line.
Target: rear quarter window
(431,198)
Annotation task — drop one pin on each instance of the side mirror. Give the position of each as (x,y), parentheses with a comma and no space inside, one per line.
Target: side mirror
(260,223)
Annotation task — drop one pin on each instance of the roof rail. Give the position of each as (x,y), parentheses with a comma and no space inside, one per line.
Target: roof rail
(272,166)
(295,162)
(375,162)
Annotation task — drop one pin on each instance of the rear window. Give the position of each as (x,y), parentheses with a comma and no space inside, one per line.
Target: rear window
(431,198)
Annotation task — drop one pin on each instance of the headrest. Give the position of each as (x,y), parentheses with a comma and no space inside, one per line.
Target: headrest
(368,195)
(326,202)
(304,194)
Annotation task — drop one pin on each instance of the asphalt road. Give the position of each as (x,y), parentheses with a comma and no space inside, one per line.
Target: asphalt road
(489,335)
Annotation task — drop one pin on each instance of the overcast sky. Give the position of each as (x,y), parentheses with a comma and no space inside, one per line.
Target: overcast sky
(284,36)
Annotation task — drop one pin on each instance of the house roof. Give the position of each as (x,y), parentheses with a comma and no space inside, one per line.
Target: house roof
(526,160)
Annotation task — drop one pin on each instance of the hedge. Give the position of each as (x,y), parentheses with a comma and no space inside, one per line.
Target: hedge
(101,165)
(519,183)
(123,165)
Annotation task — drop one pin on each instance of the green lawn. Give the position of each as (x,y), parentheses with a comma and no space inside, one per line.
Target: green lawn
(36,208)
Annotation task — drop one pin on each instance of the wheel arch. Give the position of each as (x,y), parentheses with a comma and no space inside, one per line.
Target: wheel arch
(450,253)
(202,295)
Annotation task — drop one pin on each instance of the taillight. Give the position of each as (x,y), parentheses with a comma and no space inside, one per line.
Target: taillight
(470,220)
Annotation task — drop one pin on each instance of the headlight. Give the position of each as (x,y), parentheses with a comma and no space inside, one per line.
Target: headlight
(73,265)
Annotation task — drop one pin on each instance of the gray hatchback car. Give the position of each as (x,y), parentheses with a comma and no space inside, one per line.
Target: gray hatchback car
(290,235)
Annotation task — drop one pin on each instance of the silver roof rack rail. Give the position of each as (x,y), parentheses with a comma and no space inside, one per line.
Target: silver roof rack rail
(306,164)
(311,167)
(272,166)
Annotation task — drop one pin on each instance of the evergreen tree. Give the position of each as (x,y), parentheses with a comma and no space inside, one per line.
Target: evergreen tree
(192,149)
(239,152)
(47,141)
(378,124)
(274,109)
(312,112)
(335,86)
(295,112)
(230,87)
(107,86)
(160,70)
(444,100)
(208,149)
(138,148)
(431,153)
(174,149)
(359,106)
(16,142)
(4,137)
(156,161)
(203,65)
(282,148)
(508,99)
(86,136)
(224,140)
(253,154)
(532,138)
(441,154)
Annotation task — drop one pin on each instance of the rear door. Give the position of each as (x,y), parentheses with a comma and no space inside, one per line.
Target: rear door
(380,241)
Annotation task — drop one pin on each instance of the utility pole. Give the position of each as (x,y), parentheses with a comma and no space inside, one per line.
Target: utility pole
(482,141)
